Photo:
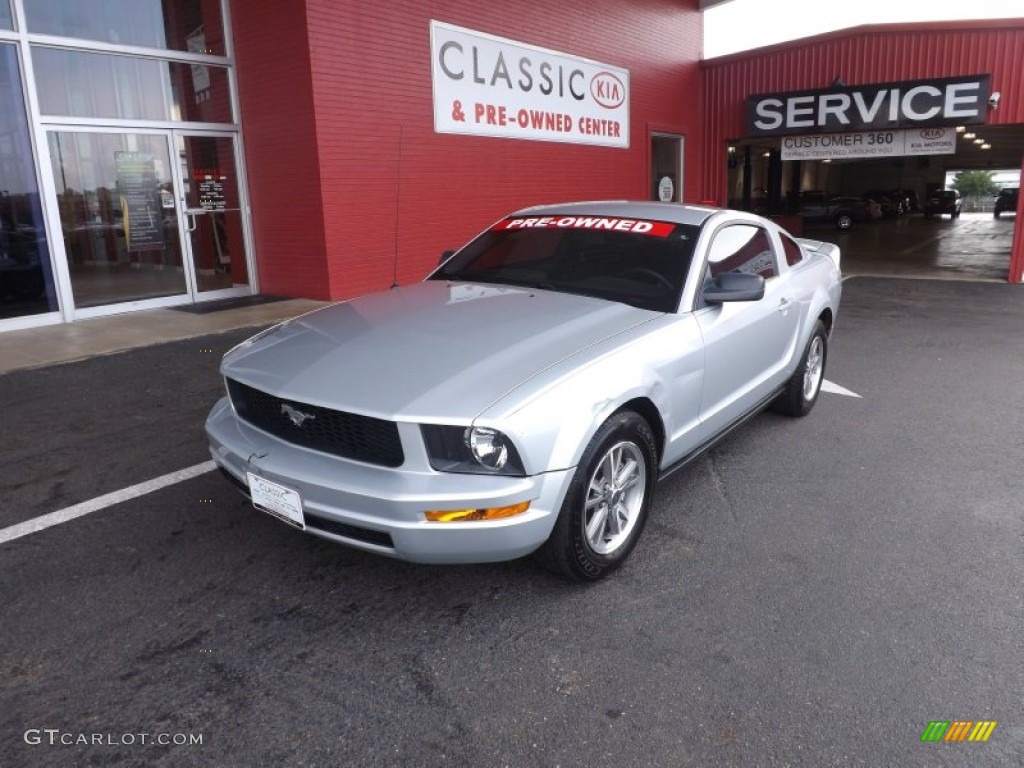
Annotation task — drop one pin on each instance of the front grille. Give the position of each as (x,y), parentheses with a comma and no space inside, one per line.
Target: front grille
(349,435)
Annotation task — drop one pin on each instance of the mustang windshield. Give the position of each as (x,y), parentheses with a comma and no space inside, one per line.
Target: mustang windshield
(633,261)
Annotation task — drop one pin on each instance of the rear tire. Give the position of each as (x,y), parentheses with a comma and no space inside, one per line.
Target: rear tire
(606,506)
(804,386)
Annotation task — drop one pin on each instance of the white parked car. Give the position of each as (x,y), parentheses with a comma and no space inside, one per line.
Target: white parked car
(529,393)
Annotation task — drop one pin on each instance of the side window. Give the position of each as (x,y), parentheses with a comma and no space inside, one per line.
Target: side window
(794,253)
(741,248)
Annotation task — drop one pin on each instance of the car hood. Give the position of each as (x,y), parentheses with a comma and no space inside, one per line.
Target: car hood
(429,352)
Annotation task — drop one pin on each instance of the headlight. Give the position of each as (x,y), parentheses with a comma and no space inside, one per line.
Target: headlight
(489,447)
(476,450)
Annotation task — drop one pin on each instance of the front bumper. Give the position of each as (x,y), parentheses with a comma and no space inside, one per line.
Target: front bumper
(379,509)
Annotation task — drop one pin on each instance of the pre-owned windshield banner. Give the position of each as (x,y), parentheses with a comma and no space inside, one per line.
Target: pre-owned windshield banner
(490,86)
(608,223)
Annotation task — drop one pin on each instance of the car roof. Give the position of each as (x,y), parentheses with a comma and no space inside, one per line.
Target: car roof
(673,212)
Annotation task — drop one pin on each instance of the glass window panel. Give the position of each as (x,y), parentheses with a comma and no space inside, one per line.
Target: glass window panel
(26,278)
(77,84)
(118,216)
(178,25)
(6,20)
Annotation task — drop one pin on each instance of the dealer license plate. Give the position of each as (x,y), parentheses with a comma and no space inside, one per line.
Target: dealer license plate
(283,503)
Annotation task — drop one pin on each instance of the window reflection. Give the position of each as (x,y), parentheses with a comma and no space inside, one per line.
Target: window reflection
(76,84)
(26,280)
(6,21)
(178,25)
(117,215)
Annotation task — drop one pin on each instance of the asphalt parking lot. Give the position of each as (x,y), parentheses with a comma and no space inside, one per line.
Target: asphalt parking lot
(810,593)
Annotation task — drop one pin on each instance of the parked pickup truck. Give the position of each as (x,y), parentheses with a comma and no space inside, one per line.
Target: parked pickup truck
(817,206)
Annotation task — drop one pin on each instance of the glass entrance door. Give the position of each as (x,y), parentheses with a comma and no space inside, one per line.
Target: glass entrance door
(118,215)
(212,203)
(140,228)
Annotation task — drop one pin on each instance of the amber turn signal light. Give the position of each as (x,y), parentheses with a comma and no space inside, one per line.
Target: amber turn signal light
(462,515)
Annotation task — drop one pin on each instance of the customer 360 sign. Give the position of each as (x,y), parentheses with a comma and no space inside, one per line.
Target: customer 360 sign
(490,86)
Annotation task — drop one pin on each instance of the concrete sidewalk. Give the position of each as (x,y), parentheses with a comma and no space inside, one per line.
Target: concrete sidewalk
(46,345)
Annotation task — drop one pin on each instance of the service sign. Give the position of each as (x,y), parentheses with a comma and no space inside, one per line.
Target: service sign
(839,146)
(490,86)
(881,106)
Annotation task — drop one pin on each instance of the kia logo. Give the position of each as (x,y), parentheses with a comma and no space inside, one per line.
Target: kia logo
(933,133)
(607,90)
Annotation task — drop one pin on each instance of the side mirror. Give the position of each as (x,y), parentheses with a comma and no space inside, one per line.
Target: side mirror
(445,255)
(734,286)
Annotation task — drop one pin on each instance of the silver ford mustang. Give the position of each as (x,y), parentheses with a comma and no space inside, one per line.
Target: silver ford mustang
(529,393)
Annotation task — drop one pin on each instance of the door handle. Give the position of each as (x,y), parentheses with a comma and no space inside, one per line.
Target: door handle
(784,305)
(193,222)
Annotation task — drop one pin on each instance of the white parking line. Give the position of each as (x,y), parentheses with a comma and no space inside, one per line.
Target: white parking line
(102,502)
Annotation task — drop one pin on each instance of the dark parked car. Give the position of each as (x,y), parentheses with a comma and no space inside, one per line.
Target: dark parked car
(817,206)
(943,201)
(1007,201)
(894,202)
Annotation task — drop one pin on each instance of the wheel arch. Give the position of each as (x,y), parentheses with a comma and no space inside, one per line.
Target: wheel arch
(648,411)
(827,319)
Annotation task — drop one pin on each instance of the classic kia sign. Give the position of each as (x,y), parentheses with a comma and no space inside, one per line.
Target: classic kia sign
(881,106)
(490,86)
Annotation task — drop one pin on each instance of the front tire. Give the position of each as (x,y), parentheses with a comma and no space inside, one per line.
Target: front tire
(804,386)
(607,503)
(844,221)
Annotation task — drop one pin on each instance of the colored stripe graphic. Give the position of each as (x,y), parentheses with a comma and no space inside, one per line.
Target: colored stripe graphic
(959,730)
(982,730)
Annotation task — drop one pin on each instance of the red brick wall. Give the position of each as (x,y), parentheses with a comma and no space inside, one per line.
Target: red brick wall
(388,184)
(279,128)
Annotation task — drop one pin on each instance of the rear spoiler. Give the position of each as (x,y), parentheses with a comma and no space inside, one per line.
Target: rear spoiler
(825,249)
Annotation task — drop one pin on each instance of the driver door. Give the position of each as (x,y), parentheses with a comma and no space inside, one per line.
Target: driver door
(746,344)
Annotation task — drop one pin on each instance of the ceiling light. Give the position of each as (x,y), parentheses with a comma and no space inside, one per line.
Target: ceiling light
(970,135)
(979,141)
(986,145)
(961,128)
